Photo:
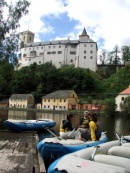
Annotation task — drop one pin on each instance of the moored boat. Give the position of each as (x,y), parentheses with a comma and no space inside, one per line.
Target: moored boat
(112,156)
(29,125)
(56,147)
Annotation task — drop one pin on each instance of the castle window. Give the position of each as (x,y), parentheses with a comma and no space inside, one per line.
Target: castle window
(59,52)
(33,53)
(72,53)
(73,46)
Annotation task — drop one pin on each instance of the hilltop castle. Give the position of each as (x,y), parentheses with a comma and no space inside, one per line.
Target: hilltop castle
(82,52)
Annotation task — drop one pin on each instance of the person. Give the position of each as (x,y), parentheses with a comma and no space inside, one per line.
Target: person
(66,130)
(95,129)
(84,123)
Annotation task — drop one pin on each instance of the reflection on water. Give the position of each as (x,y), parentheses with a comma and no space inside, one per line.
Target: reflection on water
(111,124)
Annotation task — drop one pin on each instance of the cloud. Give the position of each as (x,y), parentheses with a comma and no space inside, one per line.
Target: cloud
(106,21)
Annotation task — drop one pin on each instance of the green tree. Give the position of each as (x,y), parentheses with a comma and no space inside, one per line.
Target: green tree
(125,53)
(110,106)
(9,38)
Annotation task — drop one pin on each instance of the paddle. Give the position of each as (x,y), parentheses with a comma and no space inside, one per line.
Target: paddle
(94,152)
(53,134)
(120,139)
(69,134)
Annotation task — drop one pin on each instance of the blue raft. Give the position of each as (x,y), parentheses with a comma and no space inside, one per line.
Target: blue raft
(29,125)
(55,147)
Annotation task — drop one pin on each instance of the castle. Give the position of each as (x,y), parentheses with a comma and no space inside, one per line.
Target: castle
(81,53)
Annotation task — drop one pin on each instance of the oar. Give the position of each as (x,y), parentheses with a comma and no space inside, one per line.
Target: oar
(94,152)
(120,139)
(53,134)
(70,133)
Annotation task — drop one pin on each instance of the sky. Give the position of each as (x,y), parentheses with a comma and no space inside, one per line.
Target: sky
(106,21)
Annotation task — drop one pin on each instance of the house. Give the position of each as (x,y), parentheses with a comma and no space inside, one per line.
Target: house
(121,97)
(80,53)
(21,101)
(4,103)
(60,100)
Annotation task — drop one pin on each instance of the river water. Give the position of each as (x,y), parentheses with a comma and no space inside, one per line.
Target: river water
(111,124)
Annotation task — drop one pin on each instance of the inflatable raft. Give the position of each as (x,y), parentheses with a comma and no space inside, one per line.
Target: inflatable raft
(111,157)
(56,147)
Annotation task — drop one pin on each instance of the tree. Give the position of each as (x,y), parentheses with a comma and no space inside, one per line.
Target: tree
(9,38)
(125,54)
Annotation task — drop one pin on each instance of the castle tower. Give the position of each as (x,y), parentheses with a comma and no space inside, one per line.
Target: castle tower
(27,37)
(84,35)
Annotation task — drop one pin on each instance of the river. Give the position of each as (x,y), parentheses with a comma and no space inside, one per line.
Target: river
(111,124)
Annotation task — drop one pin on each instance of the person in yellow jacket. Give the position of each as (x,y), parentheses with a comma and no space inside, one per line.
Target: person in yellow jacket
(66,130)
(95,129)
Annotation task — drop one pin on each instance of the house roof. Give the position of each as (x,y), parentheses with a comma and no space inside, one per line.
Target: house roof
(59,94)
(126,91)
(21,96)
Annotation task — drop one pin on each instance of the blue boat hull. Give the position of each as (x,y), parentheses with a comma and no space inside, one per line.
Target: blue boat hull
(29,125)
(57,149)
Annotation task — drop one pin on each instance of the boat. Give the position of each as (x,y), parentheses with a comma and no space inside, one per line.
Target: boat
(56,147)
(112,156)
(29,125)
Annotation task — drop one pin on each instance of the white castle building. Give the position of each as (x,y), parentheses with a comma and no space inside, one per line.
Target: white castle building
(81,53)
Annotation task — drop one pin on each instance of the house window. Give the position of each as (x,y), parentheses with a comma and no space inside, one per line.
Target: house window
(91,51)
(85,51)
(48,100)
(24,55)
(60,46)
(44,100)
(91,45)
(91,57)
(85,45)
(53,46)
(71,60)
(84,57)
(54,100)
(29,59)
(41,53)
(64,100)
(41,47)
(49,46)
(39,62)
(60,100)
(65,46)
(122,98)
(54,52)
(44,106)
(48,106)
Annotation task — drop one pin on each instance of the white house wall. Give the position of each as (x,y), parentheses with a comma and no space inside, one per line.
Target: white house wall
(118,100)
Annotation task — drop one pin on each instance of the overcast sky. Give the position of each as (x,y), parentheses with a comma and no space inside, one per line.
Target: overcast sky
(107,22)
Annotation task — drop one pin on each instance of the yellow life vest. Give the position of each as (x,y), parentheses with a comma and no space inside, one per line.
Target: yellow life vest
(61,127)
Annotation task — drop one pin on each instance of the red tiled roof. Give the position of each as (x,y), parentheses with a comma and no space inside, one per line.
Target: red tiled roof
(126,91)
